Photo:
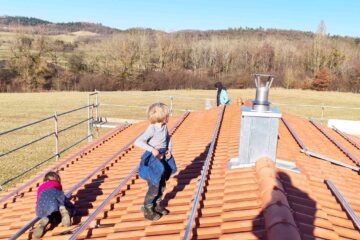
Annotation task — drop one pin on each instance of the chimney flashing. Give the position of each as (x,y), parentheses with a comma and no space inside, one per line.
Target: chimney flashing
(280,164)
(273,112)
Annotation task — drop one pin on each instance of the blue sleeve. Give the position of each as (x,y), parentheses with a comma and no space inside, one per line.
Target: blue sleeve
(224,98)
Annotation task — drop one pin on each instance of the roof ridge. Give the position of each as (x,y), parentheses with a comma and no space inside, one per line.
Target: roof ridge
(279,221)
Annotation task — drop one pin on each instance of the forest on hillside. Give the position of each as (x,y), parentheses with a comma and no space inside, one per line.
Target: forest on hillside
(146,59)
(39,26)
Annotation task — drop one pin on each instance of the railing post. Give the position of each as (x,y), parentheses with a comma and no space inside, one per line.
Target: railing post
(89,121)
(92,119)
(207,104)
(171,105)
(97,106)
(322,112)
(56,136)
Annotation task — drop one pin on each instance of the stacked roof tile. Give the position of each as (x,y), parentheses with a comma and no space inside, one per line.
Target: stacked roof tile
(259,202)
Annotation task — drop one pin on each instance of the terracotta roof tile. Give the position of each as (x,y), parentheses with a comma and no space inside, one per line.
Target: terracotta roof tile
(255,234)
(128,235)
(260,202)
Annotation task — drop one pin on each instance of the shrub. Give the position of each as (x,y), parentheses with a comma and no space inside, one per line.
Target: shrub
(322,80)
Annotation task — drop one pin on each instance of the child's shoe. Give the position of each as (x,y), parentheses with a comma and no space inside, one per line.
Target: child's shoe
(150,214)
(39,230)
(65,216)
(160,209)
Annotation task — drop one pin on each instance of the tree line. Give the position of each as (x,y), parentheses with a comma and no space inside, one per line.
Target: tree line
(36,25)
(145,59)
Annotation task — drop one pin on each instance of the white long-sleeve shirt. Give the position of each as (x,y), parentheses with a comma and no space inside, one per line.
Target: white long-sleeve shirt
(154,137)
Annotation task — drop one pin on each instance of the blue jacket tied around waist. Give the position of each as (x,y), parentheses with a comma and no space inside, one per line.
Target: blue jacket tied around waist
(152,169)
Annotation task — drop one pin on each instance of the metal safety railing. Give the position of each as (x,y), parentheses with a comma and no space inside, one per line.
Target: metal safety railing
(321,107)
(144,108)
(86,223)
(176,103)
(93,105)
(62,163)
(171,100)
(90,119)
(189,226)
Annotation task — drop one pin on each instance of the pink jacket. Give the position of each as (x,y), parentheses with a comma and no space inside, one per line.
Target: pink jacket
(49,184)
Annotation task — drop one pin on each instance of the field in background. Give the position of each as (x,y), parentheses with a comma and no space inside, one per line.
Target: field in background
(8,38)
(20,108)
(195,99)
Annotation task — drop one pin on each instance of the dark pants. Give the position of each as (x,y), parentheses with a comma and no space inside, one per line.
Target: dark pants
(155,192)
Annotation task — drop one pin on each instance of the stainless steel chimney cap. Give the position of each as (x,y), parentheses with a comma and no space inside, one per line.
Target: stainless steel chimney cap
(261,103)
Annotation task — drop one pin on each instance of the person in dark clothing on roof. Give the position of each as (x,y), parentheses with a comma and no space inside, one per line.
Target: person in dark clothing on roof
(157,163)
(222,97)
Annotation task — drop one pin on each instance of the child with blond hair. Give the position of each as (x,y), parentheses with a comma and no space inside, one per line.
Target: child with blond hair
(50,201)
(157,163)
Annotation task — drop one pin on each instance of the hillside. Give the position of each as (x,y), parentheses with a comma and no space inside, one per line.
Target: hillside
(39,55)
(15,24)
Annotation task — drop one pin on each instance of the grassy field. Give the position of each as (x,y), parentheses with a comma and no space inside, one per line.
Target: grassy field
(21,108)
(195,99)
(5,39)
(8,38)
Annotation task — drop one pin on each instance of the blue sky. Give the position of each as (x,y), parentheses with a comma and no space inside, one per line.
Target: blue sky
(341,17)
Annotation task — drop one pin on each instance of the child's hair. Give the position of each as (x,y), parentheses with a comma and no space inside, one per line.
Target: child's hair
(52,176)
(158,112)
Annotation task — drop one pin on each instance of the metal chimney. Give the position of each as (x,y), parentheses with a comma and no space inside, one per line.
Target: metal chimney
(261,103)
(259,127)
